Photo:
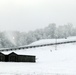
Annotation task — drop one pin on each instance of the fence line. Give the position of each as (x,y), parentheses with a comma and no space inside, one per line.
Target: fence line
(34,46)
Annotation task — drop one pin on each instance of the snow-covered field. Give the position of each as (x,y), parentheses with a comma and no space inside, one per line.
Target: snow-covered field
(48,61)
(48,41)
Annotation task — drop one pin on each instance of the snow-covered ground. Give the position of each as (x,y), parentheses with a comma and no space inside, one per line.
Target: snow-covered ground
(49,62)
(48,41)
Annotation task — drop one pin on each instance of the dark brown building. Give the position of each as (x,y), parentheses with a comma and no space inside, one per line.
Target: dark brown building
(13,57)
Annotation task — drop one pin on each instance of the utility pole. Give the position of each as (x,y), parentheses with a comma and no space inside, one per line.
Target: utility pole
(56,36)
(56,42)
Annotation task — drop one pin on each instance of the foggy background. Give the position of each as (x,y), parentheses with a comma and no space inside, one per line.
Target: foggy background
(25,21)
(26,15)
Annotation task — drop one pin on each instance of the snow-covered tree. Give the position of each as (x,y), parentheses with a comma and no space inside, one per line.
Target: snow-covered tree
(50,30)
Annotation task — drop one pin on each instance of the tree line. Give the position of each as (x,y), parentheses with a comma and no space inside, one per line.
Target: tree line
(10,39)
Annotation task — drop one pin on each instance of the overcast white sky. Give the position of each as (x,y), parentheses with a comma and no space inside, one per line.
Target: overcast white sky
(26,15)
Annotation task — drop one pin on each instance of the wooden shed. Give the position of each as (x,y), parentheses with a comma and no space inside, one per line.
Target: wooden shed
(12,57)
(2,57)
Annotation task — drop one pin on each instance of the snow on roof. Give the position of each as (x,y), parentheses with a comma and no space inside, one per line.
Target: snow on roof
(17,52)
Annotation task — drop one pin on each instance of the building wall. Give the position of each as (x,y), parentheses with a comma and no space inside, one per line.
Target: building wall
(26,58)
(2,57)
(13,57)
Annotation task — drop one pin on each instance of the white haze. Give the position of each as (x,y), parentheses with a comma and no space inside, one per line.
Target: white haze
(10,37)
(26,15)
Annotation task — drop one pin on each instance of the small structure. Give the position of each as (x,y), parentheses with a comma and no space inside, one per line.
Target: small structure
(13,57)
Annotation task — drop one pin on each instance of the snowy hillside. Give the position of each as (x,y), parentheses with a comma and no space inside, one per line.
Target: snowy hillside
(48,41)
(49,62)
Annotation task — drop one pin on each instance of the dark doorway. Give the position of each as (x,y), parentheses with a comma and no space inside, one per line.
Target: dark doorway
(6,58)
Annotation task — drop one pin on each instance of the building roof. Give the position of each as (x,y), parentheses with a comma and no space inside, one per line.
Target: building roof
(14,52)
